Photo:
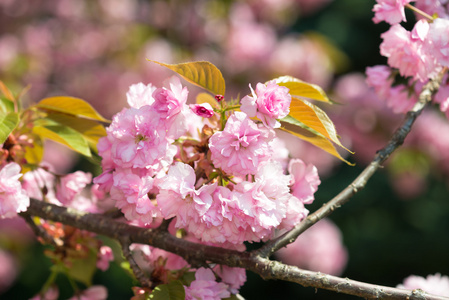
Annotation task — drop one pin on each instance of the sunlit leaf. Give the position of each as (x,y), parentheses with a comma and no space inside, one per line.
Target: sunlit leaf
(315,139)
(33,153)
(7,92)
(303,89)
(201,73)
(91,130)
(206,98)
(171,291)
(8,123)
(6,105)
(315,118)
(72,106)
(64,135)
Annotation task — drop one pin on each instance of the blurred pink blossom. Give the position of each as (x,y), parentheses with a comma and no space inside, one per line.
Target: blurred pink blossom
(71,185)
(433,284)
(206,287)
(13,198)
(305,180)
(95,292)
(105,256)
(319,249)
(8,270)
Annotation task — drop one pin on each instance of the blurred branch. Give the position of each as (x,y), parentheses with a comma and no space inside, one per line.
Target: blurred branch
(360,182)
(198,254)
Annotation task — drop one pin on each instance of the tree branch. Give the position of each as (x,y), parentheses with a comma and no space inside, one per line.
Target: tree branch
(197,254)
(360,182)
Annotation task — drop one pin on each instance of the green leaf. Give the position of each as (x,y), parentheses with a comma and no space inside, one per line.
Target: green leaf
(64,135)
(315,118)
(6,91)
(83,269)
(303,89)
(72,106)
(171,291)
(315,139)
(6,105)
(91,130)
(201,73)
(8,122)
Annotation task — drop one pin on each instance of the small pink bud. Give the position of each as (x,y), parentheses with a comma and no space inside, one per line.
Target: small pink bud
(204,110)
(219,98)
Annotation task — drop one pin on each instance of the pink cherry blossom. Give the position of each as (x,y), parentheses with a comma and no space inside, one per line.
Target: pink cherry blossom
(406,52)
(140,94)
(433,284)
(137,139)
(204,110)
(400,100)
(318,249)
(71,185)
(105,255)
(170,103)
(264,202)
(179,198)
(269,102)
(305,180)
(95,292)
(206,287)
(379,78)
(438,38)
(130,191)
(233,277)
(8,270)
(52,293)
(390,11)
(13,198)
(241,146)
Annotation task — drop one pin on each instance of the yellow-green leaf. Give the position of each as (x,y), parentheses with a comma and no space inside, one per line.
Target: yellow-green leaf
(8,123)
(303,89)
(315,118)
(64,135)
(7,92)
(200,73)
(72,106)
(315,139)
(91,130)
(33,153)
(171,291)
(206,98)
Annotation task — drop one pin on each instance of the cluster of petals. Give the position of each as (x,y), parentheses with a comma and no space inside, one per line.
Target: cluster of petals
(206,287)
(241,146)
(105,255)
(305,180)
(433,284)
(438,41)
(390,11)
(72,185)
(406,51)
(13,198)
(250,212)
(268,103)
(140,94)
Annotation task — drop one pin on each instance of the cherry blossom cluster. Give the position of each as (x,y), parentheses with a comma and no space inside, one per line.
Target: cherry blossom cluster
(213,170)
(418,55)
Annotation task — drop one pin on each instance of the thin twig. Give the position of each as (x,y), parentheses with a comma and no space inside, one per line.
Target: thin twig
(360,182)
(138,273)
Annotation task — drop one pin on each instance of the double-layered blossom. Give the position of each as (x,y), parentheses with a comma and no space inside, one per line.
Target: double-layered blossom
(137,139)
(390,11)
(170,104)
(13,198)
(241,146)
(140,94)
(305,180)
(206,287)
(178,197)
(269,102)
(405,51)
(438,41)
(130,190)
(71,185)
